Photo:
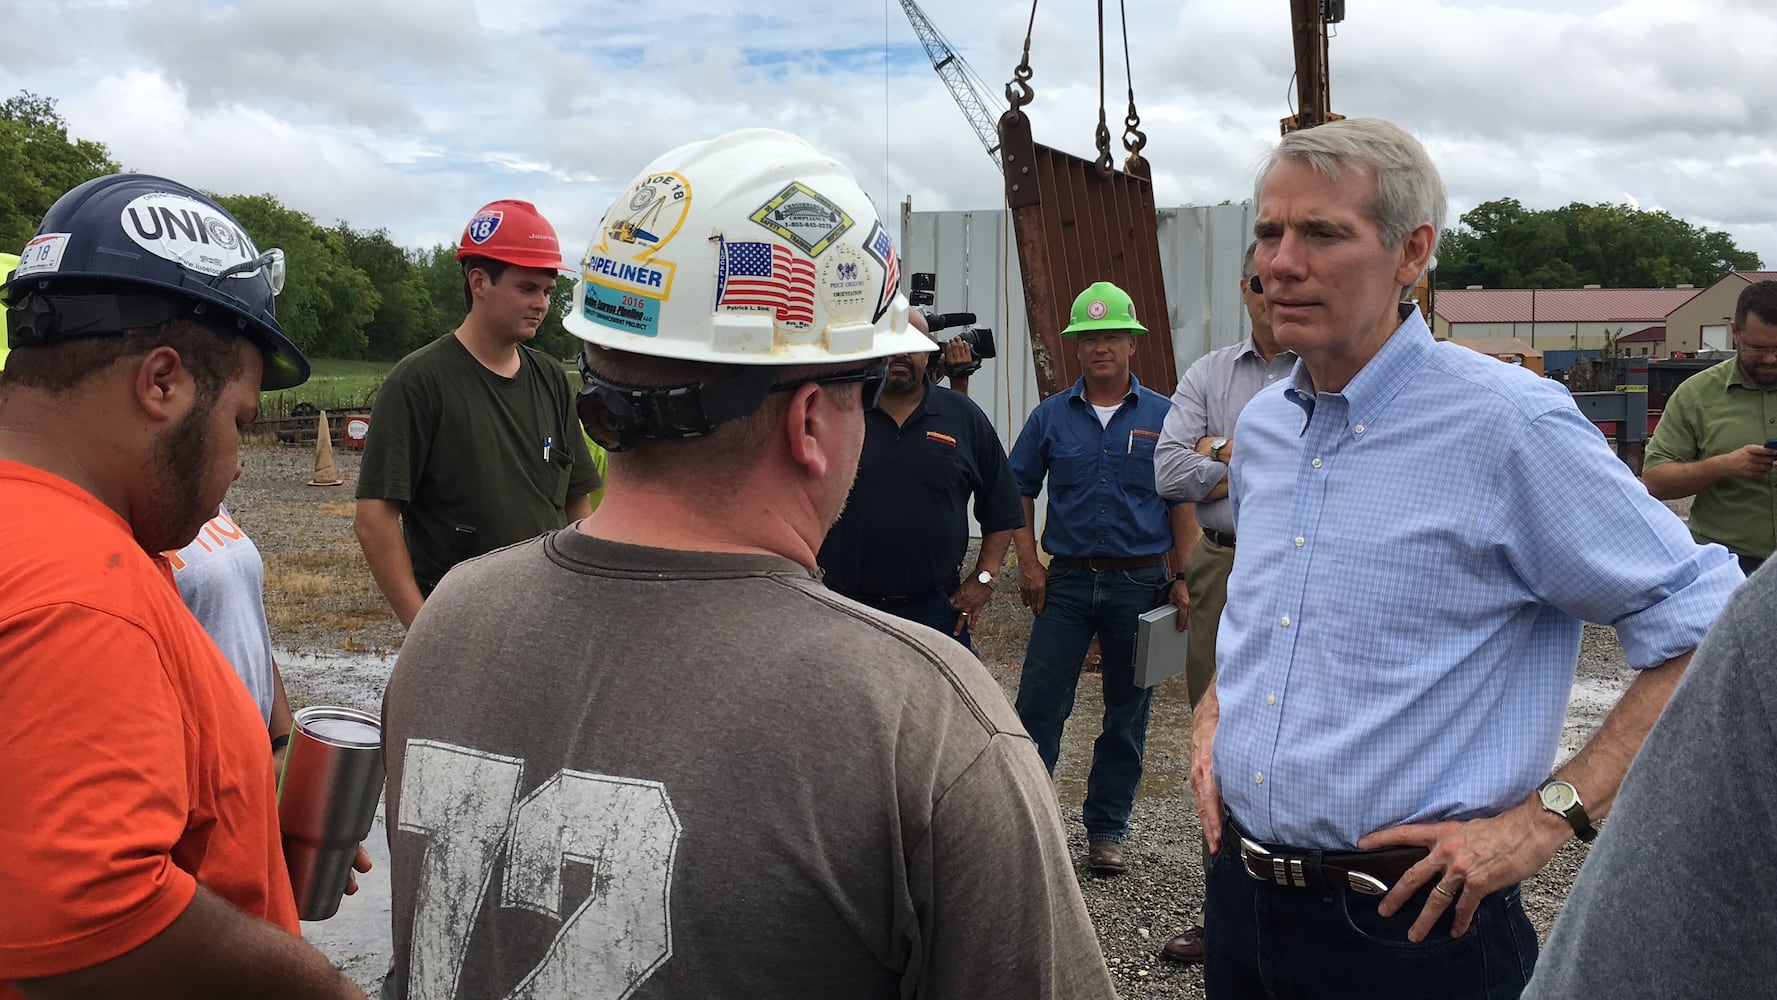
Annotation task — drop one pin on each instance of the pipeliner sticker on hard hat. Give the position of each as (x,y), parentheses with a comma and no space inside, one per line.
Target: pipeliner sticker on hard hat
(625,280)
(187,232)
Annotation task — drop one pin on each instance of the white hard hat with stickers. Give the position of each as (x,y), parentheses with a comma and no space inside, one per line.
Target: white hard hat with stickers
(750,249)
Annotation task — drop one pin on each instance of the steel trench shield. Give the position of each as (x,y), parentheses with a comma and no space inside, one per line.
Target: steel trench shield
(1074,226)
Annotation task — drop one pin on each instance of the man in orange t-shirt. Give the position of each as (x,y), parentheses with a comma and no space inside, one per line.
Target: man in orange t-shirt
(139,844)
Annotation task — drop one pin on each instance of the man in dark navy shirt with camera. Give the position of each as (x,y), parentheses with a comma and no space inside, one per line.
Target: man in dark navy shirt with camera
(900,542)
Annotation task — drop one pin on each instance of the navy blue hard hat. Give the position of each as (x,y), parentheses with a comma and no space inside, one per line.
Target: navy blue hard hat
(132,250)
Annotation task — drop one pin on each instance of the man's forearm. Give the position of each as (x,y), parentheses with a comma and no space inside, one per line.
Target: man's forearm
(281,717)
(1025,538)
(993,551)
(1597,770)
(211,950)
(1676,480)
(1185,533)
(385,551)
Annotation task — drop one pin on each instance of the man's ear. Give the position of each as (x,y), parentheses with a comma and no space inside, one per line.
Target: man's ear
(1415,254)
(164,387)
(809,424)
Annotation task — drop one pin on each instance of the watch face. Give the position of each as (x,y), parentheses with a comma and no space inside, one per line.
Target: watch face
(984,577)
(1559,796)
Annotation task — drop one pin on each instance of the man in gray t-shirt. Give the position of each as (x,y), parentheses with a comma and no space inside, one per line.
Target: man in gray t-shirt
(651,755)
(1674,899)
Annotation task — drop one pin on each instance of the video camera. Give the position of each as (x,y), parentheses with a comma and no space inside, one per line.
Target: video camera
(979,339)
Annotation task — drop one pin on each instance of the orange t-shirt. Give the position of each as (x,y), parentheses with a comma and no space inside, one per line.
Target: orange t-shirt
(133,762)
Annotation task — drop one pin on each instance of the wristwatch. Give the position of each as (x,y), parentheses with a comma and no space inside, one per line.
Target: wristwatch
(1562,799)
(984,577)
(1216,446)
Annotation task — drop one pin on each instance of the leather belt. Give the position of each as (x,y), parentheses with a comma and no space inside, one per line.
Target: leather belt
(1372,873)
(1105,564)
(1225,541)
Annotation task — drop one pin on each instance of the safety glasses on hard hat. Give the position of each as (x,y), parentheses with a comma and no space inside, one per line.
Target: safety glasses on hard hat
(273,262)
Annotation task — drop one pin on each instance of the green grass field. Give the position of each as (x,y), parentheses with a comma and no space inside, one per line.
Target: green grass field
(334,385)
(339,385)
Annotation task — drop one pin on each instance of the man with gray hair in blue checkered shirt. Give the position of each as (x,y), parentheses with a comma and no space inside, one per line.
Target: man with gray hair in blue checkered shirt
(1423,531)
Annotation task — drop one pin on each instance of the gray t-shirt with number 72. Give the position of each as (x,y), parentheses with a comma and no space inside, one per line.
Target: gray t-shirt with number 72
(623,771)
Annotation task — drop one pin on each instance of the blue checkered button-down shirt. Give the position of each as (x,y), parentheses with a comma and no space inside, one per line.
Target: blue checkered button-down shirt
(1417,555)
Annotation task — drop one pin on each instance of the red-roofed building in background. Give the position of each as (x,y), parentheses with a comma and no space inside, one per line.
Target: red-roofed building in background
(1647,343)
(1554,318)
(1702,323)
(1661,320)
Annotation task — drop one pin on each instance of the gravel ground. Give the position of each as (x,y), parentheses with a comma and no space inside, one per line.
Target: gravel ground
(336,635)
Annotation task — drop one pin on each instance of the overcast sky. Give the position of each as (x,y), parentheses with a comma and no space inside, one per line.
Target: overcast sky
(409,114)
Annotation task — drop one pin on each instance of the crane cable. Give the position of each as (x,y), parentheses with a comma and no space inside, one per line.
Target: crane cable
(1134,139)
(1019,92)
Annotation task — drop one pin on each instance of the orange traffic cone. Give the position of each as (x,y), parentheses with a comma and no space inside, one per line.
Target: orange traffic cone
(325,472)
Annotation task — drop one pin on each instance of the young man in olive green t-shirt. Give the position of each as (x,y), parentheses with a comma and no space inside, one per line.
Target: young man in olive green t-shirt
(474,442)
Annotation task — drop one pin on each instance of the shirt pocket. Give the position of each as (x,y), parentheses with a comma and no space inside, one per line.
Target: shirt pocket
(941,468)
(1380,603)
(1071,468)
(561,470)
(1136,467)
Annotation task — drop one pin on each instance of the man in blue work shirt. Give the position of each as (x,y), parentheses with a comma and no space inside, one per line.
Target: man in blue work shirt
(905,528)
(1109,536)
(1422,533)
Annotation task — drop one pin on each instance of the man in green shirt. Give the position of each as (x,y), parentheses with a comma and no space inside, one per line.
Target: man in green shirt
(474,443)
(1711,440)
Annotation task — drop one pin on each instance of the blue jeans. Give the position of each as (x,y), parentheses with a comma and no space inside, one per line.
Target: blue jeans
(1080,604)
(1282,943)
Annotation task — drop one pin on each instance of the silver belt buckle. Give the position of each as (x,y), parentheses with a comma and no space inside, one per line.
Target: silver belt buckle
(1262,865)
(1369,885)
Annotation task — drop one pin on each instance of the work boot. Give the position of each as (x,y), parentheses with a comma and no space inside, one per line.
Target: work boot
(1186,948)
(1105,857)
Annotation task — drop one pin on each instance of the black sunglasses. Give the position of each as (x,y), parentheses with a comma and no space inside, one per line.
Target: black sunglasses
(872,379)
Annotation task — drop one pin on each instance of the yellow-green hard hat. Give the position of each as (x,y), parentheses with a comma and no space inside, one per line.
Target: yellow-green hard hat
(1103,306)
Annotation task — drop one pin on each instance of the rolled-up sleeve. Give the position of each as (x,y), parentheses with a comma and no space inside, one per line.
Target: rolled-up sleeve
(1586,537)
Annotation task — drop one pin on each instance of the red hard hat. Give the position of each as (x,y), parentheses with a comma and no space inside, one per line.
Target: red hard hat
(513,232)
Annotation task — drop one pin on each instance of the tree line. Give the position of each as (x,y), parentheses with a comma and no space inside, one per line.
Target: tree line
(354,293)
(350,293)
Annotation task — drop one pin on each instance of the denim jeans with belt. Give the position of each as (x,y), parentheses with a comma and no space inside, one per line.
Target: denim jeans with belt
(1271,942)
(1081,603)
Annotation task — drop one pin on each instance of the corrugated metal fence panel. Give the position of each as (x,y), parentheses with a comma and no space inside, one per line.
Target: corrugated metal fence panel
(1200,252)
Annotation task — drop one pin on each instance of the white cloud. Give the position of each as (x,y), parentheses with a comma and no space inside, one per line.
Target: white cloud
(409,114)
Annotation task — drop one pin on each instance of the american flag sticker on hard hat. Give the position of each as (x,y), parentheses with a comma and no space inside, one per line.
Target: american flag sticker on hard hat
(766,277)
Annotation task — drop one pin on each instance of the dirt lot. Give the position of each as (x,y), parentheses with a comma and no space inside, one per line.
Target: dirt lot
(336,636)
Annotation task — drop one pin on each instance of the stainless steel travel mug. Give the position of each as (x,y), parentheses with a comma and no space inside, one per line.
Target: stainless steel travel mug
(333,776)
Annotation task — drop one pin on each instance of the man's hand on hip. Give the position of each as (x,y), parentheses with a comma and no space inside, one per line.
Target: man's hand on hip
(970,598)
(1468,861)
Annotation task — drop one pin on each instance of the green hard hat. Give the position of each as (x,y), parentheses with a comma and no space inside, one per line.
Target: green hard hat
(1103,306)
